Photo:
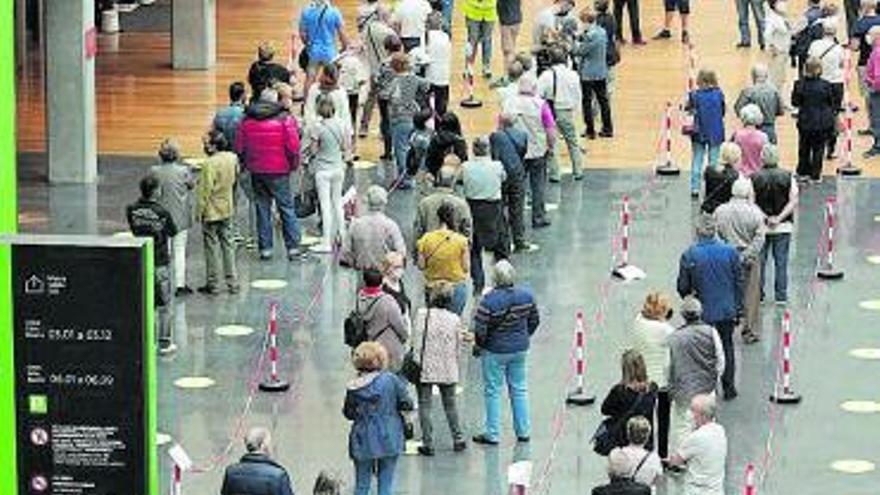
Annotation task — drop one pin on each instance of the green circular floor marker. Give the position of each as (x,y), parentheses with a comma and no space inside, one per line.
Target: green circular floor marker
(309,240)
(865,353)
(861,406)
(411,447)
(874,259)
(269,284)
(194,382)
(162,438)
(552,206)
(233,330)
(871,304)
(364,164)
(123,233)
(853,466)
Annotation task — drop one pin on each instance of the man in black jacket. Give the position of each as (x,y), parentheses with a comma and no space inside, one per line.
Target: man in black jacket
(621,482)
(256,473)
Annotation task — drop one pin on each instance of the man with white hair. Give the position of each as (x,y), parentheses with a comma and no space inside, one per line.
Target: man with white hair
(765,95)
(741,223)
(704,451)
(777,36)
(534,116)
(831,54)
(483,177)
(256,473)
(505,320)
(371,236)
(620,477)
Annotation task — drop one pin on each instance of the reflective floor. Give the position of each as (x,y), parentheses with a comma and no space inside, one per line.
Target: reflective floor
(569,272)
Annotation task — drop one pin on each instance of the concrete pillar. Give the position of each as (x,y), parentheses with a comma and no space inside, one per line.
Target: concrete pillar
(71,128)
(73,208)
(193,34)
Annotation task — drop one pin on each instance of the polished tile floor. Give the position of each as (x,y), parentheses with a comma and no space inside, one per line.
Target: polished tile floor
(569,273)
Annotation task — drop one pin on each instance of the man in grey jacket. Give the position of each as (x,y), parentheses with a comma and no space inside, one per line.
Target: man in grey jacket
(696,361)
(741,223)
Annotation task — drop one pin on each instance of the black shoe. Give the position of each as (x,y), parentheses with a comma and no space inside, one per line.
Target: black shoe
(663,34)
(522,248)
(183,291)
(234,289)
(864,132)
(540,224)
(730,394)
(482,439)
(589,135)
(426,451)
(695,195)
(743,44)
(459,446)
(209,290)
(606,134)
(685,38)
(522,439)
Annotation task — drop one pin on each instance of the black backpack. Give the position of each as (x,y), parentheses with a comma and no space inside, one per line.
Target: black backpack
(801,41)
(355,327)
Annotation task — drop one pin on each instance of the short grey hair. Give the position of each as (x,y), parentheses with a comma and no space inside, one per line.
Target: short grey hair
(751,115)
(618,464)
(446,176)
(503,274)
(528,84)
(742,188)
(691,309)
(829,26)
(258,439)
(770,155)
(169,150)
(481,146)
(269,95)
(705,404)
(706,226)
(377,198)
(760,73)
(506,119)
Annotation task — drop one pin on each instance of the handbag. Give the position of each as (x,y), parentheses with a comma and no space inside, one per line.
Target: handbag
(605,437)
(305,202)
(410,369)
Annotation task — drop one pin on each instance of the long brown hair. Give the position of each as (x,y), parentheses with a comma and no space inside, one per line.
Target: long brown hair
(633,370)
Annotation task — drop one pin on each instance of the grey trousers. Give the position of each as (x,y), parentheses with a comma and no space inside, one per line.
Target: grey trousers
(751,290)
(537,170)
(566,125)
(164,298)
(219,247)
(447,395)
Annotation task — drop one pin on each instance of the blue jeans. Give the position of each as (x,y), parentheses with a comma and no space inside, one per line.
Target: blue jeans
(742,11)
(496,369)
(363,475)
(268,188)
(479,33)
(448,7)
(400,132)
(778,243)
(459,297)
(699,157)
(770,131)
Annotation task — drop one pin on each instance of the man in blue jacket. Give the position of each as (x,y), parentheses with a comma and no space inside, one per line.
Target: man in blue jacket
(505,320)
(709,270)
(256,473)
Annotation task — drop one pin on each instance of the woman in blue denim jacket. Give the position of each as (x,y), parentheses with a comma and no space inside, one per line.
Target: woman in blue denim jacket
(374,402)
(706,103)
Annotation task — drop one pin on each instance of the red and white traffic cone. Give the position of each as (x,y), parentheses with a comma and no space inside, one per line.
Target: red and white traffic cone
(749,488)
(470,101)
(579,396)
(625,270)
(666,167)
(692,69)
(785,394)
(273,383)
(848,168)
(176,480)
(827,270)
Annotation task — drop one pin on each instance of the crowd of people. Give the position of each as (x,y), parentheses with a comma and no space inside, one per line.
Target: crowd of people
(271,160)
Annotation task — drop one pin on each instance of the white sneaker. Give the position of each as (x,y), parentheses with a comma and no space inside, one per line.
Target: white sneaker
(167,349)
(321,248)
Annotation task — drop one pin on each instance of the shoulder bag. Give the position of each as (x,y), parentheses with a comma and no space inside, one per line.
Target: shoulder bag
(605,437)
(410,369)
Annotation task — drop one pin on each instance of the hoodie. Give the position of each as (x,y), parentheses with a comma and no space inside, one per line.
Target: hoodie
(268,140)
(373,402)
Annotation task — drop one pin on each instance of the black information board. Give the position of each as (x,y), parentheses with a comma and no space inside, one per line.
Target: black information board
(79,329)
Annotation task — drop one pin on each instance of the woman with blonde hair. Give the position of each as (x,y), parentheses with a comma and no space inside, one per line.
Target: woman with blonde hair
(648,336)
(330,143)
(720,178)
(706,104)
(374,402)
(634,395)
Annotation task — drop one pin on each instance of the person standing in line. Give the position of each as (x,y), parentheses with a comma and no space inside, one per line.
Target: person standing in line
(444,257)
(228,118)
(373,235)
(741,224)
(374,402)
(438,48)
(706,103)
(751,139)
(480,17)
(719,179)
(814,99)
(505,320)
(383,318)
(409,20)
(147,218)
(768,99)
(859,40)
(427,218)
(376,32)
(383,82)
(392,283)
(216,209)
(408,96)
(710,270)
(437,345)
(509,146)
(352,77)
(591,53)
(328,88)
(776,193)
(264,72)
(177,184)
(670,7)
(831,53)
(742,12)
(872,80)
(330,145)
(620,480)
(696,361)
(560,86)
(320,23)
(268,144)
(534,116)
(632,396)
(634,30)
(643,464)
(510,19)
(256,473)
(777,36)
(327,484)
(649,337)
(704,451)
(557,18)
(483,177)
(447,140)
